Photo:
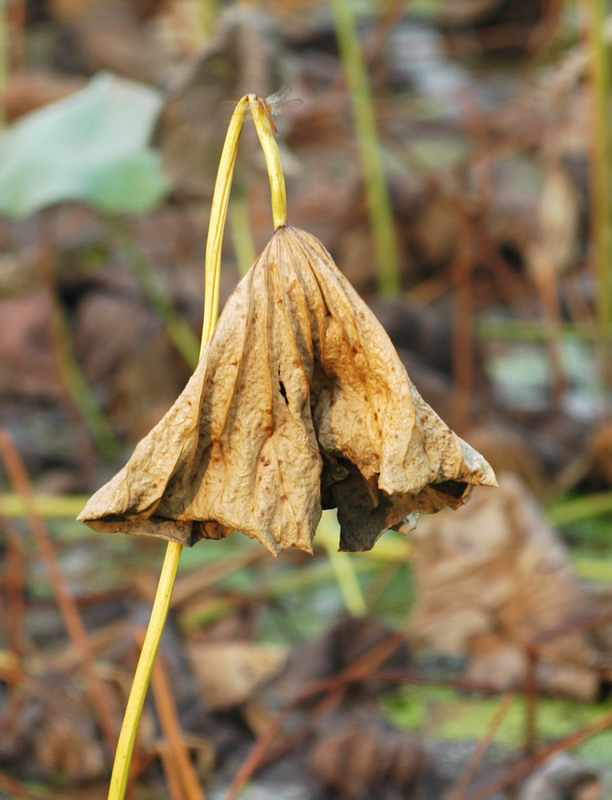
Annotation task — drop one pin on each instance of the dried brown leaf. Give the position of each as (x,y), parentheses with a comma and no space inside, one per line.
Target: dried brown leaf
(359,754)
(299,403)
(490,580)
(230,672)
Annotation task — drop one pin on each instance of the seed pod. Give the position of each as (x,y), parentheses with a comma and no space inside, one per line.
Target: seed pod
(299,403)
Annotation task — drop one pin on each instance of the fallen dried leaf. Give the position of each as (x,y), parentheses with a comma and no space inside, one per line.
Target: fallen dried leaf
(493,577)
(229,672)
(299,403)
(361,755)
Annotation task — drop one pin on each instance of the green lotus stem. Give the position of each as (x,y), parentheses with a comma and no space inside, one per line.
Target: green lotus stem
(377,193)
(344,572)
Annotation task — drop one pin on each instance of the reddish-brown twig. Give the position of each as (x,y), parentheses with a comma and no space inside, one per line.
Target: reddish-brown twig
(171,771)
(14,588)
(66,604)
(525,766)
(171,727)
(461,786)
(16,13)
(532,654)
(531,690)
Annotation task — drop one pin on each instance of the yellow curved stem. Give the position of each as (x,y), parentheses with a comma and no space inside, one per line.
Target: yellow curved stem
(261,118)
(161,604)
(218,215)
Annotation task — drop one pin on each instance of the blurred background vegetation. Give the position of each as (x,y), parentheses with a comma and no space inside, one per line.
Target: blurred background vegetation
(454,157)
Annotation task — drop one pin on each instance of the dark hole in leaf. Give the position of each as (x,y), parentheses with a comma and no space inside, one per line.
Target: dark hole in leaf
(283,391)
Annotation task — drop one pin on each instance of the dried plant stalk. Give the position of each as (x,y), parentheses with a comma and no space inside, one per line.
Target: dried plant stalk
(299,403)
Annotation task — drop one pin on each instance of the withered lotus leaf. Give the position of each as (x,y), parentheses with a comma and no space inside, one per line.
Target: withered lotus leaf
(299,402)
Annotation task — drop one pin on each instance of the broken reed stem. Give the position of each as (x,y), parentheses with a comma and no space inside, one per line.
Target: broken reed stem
(377,193)
(161,603)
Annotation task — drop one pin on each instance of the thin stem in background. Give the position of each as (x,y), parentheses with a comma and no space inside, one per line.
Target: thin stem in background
(66,604)
(521,769)
(463,355)
(180,334)
(171,727)
(14,582)
(4,57)
(208,11)
(240,227)
(343,568)
(596,18)
(377,193)
(460,788)
(79,393)
(171,772)
(17,21)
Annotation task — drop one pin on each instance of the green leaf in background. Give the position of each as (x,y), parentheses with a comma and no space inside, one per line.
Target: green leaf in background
(90,146)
